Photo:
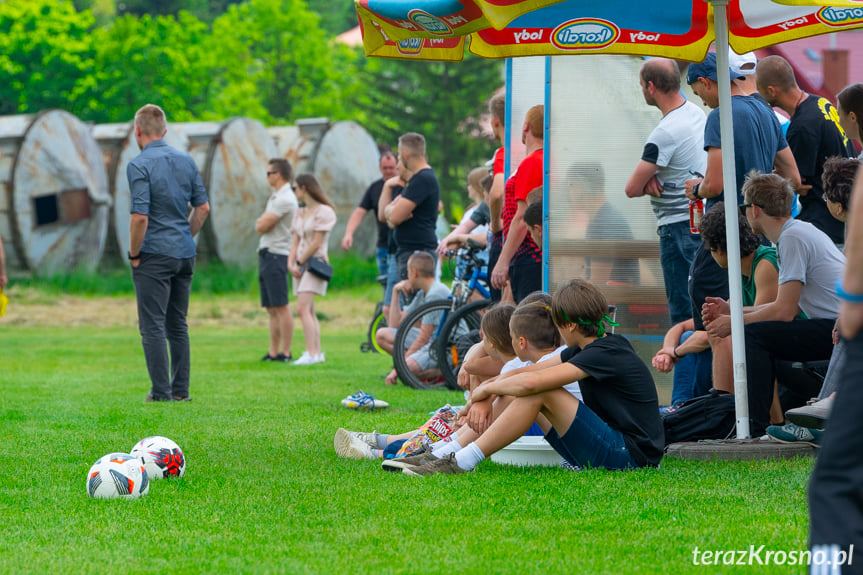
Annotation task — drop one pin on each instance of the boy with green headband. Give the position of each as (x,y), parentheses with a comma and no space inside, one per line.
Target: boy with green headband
(617,426)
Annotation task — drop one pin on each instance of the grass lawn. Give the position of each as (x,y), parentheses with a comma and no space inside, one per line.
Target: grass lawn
(265,493)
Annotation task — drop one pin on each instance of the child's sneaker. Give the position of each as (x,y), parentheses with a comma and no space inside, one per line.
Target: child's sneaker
(362,401)
(398,464)
(348,446)
(445,465)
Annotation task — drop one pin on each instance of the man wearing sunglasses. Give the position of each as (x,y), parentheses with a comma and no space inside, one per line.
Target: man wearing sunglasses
(274,227)
(809,264)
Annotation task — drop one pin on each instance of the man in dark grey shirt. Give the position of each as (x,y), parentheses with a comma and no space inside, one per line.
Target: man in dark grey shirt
(163,183)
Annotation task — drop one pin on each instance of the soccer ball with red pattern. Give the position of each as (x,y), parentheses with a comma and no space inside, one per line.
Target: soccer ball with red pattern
(117,475)
(161,457)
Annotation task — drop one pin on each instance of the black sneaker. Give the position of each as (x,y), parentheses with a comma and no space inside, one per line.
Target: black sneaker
(284,358)
(269,357)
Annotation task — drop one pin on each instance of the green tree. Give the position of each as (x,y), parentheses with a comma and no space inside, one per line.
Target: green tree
(443,101)
(287,55)
(337,16)
(160,60)
(46,56)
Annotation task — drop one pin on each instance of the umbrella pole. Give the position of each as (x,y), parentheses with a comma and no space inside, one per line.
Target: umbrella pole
(729,179)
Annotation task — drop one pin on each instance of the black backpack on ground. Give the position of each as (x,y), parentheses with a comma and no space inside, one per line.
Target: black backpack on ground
(710,416)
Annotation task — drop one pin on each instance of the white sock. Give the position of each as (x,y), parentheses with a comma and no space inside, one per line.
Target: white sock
(441,449)
(469,457)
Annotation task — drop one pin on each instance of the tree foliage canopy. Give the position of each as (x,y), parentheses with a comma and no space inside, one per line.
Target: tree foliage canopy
(272,60)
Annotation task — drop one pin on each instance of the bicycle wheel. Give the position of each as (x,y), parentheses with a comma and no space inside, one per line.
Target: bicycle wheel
(457,335)
(425,323)
(378,321)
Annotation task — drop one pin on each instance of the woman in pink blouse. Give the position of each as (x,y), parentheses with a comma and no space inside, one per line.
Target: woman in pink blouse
(311,228)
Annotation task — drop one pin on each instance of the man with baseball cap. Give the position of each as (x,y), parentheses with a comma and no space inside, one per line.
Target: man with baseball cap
(758,145)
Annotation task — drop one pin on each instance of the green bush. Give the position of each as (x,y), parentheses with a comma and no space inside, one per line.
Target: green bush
(211,277)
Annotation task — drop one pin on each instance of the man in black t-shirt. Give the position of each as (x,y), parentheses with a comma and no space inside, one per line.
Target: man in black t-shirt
(814,135)
(412,215)
(369,203)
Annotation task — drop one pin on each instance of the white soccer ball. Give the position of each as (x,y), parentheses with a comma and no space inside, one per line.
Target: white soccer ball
(161,457)
(117,475)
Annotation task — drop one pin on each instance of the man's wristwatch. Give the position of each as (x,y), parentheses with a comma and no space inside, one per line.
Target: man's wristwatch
(133,258)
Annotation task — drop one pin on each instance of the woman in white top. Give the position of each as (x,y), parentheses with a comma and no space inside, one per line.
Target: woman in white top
(311,229)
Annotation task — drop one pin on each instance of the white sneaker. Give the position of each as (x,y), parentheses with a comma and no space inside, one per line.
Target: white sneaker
(306,359)
(362,401)
(319,358)
(346,445)
(370,439)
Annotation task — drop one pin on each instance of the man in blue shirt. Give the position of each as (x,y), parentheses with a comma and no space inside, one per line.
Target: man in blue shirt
(163,183)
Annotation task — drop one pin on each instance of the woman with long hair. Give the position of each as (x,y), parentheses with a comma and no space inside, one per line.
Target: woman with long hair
(311,228)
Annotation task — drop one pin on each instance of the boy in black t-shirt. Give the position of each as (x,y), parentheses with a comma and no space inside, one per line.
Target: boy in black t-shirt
(616,427)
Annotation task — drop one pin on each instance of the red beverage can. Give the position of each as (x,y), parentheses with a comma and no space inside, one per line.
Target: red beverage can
(696,212)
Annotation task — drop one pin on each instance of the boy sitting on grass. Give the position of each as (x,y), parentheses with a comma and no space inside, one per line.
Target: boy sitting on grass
(616,427)
(497,357)
(421,282)
(529,336)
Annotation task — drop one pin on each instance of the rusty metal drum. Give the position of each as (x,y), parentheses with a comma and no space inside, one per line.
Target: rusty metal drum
(119,147)
(344,158)
(54,200)
(232,156)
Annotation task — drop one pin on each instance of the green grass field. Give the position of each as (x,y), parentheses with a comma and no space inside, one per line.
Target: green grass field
(265,493)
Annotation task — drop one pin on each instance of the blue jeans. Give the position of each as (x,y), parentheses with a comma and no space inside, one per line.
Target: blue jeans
(677,247)
(693,374)
(382,259)
(382,256)
(591,442)
(392,277)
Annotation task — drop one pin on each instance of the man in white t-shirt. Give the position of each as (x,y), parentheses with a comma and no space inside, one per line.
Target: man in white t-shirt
(809,264)
(274,247)
(673,152)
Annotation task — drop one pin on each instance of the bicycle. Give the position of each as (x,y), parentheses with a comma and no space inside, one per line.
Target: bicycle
(379,320)
(456,324)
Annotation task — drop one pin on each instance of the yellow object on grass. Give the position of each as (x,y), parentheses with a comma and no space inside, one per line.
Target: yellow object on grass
(4,301)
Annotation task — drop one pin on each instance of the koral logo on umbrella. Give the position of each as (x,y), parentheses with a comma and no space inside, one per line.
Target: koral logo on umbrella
(429,23)
(585,34)
(410,47)
(838,17)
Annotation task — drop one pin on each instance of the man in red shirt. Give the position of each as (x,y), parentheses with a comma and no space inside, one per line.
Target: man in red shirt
(497,107)
(520,261)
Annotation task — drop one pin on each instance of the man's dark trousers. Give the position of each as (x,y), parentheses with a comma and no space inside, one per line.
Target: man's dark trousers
(162,288)
(768,341)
